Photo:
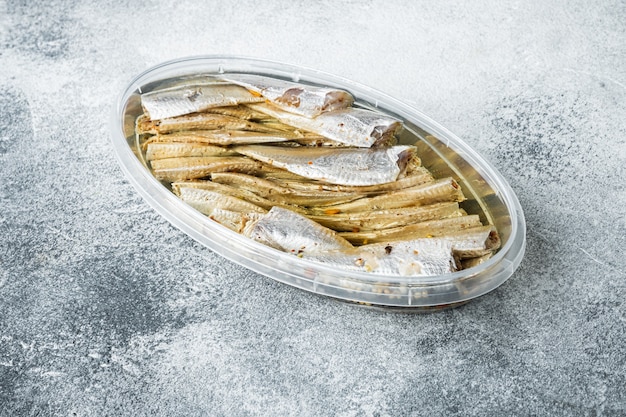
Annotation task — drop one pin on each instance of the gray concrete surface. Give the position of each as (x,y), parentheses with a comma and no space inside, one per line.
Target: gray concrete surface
(106,309)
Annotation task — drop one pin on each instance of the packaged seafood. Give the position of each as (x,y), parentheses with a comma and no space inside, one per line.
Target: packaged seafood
(318,182)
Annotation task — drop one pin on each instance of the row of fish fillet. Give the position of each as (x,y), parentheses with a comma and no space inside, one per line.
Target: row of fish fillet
(301,169)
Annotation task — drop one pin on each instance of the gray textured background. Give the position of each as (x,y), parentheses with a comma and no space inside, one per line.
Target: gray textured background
(106,309)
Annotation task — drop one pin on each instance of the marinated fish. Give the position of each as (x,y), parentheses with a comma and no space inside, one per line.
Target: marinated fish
(242,112)
(305,100)
(291,232)
(430,228)
(279,194)
(199,121)
(260,186)
(419,257)
(345,166)
(297,168)
(226,137)
(352,126)
(227,190)
(234,220)
(472,262)
(193,98)
(474,242)
(436,192)
(162,150)
(318,141)
(418,177)
(189,168)
(206,201)
(387,219)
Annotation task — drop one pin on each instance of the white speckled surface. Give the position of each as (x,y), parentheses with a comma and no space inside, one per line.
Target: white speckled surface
(106,309)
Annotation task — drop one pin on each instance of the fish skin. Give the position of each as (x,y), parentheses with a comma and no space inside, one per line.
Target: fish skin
(474,242)
(241,112)
(281,195)
(240,193)
(352,126)
(387,219)
(418,177)
(293,233)
(302,99)
(194,167)
(223,189)
(222,137)
(193,98)
(234,220)
(426,229)
(443,190)
(206,201)
(418,257)
(162,150)
(198,121)
(318,141)
(475,261)
(344,166)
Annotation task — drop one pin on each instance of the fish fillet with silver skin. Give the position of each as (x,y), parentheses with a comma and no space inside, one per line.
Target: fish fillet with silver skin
(419,257)
(474,242)
(186,99)
(305,100)
(344,166)
(352,126)
(291,232)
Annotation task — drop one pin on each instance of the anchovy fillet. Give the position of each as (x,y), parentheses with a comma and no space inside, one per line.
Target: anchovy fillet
(352,126)
(225,137)
(241,112)
(430,228)
(199,121)
(417,177)
(194,167)
(386,219)
(305,100)
(193,98)
(226,190)
(419,257)
(474,242)
(279,194)
(345,166)
(439,191)
(291,232)
(234,220)
(162,150)
(206,201)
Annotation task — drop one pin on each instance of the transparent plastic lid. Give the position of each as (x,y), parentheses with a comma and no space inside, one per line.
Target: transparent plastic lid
(442,152)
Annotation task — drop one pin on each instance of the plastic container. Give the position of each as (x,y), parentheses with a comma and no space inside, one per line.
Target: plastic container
(441,151)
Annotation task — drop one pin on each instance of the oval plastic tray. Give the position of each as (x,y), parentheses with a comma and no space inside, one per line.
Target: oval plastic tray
(441,151)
